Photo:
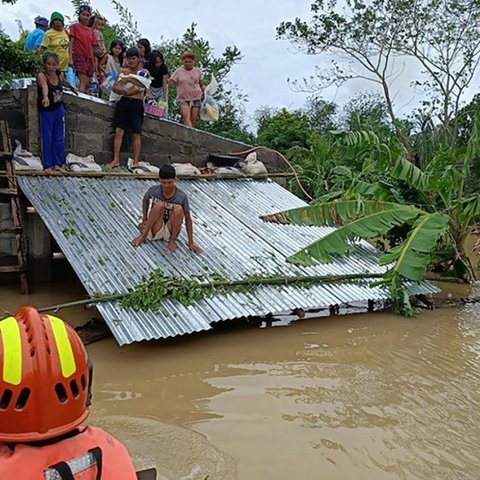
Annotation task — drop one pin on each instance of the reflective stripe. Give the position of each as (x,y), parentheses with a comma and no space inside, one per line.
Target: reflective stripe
(64,347)
(12,351)
(77,465)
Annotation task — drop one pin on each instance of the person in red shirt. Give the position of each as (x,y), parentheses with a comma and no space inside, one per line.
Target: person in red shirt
(45,394)
(82,40)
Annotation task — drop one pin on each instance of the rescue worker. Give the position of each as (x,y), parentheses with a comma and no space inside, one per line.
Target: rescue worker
(45,393)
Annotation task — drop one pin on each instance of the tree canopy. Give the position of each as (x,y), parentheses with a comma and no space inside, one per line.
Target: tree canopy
(443,37)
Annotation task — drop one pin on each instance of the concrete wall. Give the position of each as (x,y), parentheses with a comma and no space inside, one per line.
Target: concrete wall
(89,130)
(13,109)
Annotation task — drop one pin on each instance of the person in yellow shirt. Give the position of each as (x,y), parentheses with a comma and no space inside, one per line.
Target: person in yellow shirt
(56,40)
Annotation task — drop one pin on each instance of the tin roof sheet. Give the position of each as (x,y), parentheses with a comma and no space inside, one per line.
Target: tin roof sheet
(94,219)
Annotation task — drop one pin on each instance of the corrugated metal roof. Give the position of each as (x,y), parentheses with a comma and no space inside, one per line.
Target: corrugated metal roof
(94,219)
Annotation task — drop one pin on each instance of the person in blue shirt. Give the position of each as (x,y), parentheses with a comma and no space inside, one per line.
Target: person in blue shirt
(35,37)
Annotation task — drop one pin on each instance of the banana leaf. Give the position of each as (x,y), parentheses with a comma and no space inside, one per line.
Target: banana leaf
(412,256)
(471,207)
(333,213)
(410,173)
(369,226)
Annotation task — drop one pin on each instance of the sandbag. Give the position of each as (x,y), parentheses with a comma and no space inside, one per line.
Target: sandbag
(185,169)
(75,163)
(252,166)
(143,168)
(228,172)
(24,160)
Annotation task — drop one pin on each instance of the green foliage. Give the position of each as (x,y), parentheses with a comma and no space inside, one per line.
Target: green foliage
(426,217)
(365,219)
(282,130)
(15,62)
(126,29)
(150,294)
(321,115)
(367,111)
(442,37)
(412,257)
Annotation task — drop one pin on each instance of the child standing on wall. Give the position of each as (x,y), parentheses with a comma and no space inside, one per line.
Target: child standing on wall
(129,109)
(113,65)
(115,58)
(50,83)
(159,73)
(96,23)
(82,40)
(189,82)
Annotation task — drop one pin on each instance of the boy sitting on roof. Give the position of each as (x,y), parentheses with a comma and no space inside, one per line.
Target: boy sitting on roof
(170,207)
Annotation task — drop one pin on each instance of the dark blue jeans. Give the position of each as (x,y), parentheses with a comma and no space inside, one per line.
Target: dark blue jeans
(52,133)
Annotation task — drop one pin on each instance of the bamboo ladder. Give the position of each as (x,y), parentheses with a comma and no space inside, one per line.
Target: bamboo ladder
(9,189)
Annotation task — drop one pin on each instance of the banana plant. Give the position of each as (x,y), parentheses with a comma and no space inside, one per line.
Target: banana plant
(436,209)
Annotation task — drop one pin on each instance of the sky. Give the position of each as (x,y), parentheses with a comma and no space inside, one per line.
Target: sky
(267,63)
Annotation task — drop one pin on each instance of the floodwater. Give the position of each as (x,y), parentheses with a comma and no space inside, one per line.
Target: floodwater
(370,396)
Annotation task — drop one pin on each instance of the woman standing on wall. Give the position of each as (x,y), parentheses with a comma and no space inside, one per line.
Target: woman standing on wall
(50,81)
(56,40)
(82,40)
(189,82)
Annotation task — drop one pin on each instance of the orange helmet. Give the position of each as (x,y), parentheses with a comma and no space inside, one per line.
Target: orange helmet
(45,377)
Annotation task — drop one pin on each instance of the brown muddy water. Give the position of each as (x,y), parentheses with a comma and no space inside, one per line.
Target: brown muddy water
(370,396)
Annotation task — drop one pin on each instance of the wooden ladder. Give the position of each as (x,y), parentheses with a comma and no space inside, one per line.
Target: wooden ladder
(9,189)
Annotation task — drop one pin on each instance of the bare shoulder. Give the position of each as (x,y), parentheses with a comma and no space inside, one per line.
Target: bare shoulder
(41,78)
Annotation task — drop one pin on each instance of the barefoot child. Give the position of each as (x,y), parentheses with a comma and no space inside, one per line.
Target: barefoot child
(82,40)
(131,87)
(50,83)
(165,218)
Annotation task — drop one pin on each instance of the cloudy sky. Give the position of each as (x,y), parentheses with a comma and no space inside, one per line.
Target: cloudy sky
(249,24)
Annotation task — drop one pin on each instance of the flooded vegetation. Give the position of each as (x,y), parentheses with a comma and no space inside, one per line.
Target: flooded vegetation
(370,396)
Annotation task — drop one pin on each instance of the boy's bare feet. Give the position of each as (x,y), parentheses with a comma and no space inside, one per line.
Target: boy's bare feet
(48,171)
(137,241)
(57,168)
(112,165)
(171,247)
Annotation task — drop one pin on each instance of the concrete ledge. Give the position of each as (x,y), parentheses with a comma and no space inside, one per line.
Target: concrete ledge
(89,130)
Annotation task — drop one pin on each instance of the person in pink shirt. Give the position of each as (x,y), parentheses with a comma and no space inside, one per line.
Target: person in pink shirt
(82,40)
(189,82)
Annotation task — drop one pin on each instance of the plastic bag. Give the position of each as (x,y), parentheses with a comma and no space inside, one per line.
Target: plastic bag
(71,77)
(212,87)
(209,110)
(107,84)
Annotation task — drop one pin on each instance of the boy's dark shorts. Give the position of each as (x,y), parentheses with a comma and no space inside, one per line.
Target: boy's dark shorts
(129,115)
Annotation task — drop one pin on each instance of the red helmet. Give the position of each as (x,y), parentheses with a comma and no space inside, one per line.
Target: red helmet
(45,377)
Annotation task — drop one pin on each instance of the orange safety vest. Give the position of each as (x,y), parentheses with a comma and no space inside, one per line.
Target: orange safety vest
(92,454)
